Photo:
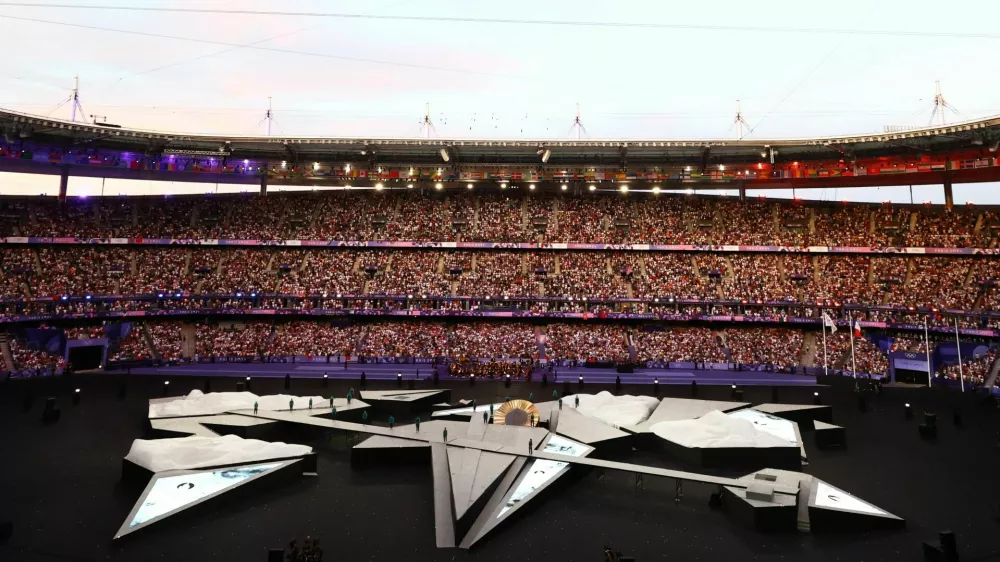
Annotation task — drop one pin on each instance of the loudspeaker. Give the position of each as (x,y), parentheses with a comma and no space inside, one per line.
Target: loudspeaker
(411,384)
(694,389)
(50,414)
(774,395)
(275,555)
(240,387)
(6,530)
(288,382)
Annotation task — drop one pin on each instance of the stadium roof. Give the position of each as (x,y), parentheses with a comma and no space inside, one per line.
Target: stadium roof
(564,152)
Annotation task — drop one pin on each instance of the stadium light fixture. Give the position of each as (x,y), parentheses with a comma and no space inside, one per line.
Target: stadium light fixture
(469,186)
(379,186)
(656,190)
(444,154)
(592,187)
(546,154)
(409,186)
(503,185)
(347,168)
(722,167)
(284,164)
(687,168)
(532,186)
(689,191)
(315,165)
(623,188)
(439,186)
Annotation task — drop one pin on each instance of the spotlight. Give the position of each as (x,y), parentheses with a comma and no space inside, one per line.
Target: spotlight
(580,380)
(409,186)
(503,185)
(531,187)
(378,187)
(439,186)
(546,154)
(656,190)
(469,186)
(444,154)
(907,411)
(624,188)
(76,397)
(816,399)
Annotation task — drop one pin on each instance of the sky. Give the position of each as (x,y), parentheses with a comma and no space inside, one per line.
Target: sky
(663,70)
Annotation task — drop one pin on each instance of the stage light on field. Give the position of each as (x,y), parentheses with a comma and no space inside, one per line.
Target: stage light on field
(469,186)
(531,187)
(503,185)
(592,187)
(624,189)
(564,187)
(656,190)
(379,186)
(907,411)
(409,186)
(439,186)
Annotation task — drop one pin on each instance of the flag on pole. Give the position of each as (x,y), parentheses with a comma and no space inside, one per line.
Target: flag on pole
(857,329)
(829,323)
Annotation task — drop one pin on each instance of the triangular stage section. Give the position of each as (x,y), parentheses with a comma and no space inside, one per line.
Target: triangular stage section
(802,414)
(535,477)
(474,473)
(570,423)
(834,510)
(174,491)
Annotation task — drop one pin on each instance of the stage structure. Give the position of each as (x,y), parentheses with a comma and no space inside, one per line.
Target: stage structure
(484,472)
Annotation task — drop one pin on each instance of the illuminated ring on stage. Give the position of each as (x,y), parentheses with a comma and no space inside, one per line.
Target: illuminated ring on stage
(515,412)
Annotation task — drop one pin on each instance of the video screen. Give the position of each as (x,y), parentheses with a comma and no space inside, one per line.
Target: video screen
(173,493)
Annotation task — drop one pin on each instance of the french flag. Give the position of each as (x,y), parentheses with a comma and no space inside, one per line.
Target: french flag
(857,329)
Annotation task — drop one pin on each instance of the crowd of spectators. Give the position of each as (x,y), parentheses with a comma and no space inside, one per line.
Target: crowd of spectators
(586,342)
(32,361)
(776,348)
(974,371)
(405,340)
(229,341)
(758,278)
(17,266)
(133,346)
(498,274)
(314,339)
(584,274)
(678,345)
(671,275)
(505,217)
(488,340)
(490,369)
(167,339)
(867,356)
(81,271)
(412,273)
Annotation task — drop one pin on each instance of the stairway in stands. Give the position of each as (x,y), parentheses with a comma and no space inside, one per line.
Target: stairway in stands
(5,353)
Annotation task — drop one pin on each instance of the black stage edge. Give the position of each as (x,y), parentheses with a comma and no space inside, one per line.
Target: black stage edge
(761,516)
(741,458)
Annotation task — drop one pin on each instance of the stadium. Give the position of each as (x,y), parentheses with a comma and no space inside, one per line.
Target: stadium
(614,299)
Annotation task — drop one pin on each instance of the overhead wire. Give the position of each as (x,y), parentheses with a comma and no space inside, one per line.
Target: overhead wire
(515,21)
(264,49)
